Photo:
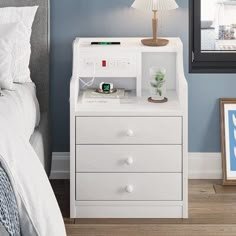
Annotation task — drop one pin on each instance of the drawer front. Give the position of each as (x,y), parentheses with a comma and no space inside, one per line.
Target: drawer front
(128,187)
(129,158)
(128,130)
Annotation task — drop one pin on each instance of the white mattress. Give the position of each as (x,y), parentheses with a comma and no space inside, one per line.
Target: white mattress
(21,108)
(40,143)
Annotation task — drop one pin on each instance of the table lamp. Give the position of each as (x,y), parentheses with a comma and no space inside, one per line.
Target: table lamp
(155,6)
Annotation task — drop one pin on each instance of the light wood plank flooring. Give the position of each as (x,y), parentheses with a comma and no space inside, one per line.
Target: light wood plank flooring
(212,211)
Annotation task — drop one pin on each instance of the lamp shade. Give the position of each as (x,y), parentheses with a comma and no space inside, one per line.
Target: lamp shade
(155,5)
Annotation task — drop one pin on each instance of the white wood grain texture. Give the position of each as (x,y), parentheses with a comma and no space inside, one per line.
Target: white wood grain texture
(134,106)
(128,45)
(74,94)
(129,211)
(129,158)
(115,130)
(74,87)
(151,132)
(182,91)
(145,187)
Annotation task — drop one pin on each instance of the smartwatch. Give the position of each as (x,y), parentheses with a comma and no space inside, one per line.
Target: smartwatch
(106,87)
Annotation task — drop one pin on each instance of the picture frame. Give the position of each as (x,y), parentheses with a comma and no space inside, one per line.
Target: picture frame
(228,140)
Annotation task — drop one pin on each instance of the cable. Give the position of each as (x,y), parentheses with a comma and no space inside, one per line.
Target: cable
(90,83)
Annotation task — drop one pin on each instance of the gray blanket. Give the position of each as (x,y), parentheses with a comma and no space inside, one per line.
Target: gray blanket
(9,215)
(3,231)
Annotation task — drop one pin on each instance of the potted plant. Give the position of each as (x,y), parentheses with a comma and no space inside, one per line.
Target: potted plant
(158,84)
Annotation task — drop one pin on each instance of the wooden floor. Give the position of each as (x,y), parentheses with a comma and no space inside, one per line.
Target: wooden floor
(212,210)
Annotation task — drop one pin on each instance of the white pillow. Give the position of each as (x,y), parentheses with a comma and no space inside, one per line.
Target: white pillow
(22,48)
(8,35)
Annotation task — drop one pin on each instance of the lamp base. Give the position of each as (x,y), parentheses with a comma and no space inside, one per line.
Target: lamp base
(155,42)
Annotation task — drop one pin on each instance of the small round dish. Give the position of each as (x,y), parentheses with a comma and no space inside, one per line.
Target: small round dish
(102,92)
(158,101)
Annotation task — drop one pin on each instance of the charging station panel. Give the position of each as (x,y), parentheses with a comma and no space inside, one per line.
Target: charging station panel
(108,65)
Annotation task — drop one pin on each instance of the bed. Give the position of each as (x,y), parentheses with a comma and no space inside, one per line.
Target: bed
(39,67)
(25,162)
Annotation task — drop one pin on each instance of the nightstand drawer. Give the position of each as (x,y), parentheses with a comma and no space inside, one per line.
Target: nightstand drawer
(129,158)
(128,130)
(128,187)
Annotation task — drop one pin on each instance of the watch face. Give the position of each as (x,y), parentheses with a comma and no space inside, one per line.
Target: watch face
(106,87)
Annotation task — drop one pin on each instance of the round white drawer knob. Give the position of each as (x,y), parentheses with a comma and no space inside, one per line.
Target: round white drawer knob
(130,133)
(129,161)
(129,189)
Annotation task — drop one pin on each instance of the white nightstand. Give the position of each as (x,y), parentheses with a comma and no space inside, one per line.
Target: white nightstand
(129,160)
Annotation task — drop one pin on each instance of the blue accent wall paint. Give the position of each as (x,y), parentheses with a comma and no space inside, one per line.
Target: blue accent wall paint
(94,18)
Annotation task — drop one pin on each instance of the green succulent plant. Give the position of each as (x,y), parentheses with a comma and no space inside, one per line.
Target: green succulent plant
(158,82)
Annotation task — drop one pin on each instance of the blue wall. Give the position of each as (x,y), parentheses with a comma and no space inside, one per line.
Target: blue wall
(85,18)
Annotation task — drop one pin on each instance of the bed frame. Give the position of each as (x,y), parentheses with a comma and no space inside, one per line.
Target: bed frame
(39,62)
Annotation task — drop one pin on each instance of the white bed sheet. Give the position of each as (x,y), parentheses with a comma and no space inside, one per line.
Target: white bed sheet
(38,209)
(21,108)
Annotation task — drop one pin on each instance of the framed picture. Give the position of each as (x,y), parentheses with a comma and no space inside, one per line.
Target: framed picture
(228,140)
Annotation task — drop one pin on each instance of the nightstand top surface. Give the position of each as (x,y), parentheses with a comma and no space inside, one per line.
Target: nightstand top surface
(127,44)
(133,106)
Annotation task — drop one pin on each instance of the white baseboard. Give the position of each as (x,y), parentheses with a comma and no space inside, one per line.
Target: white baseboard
(205,166)
(201,166)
